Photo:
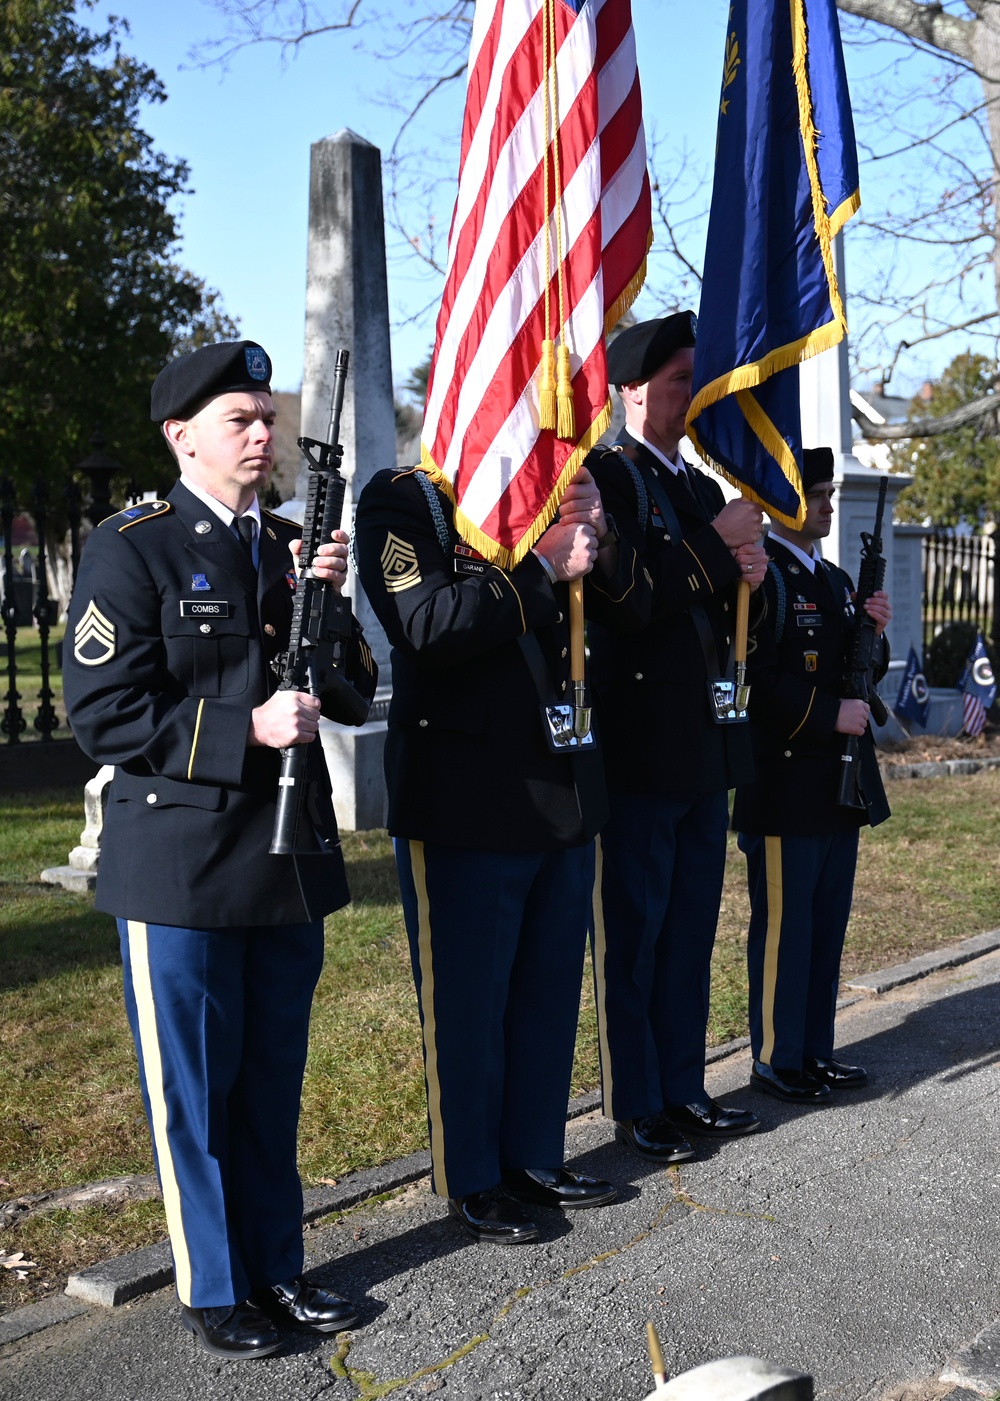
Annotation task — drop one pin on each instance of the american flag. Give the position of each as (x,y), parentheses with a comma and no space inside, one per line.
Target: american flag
(978,686)
(547,250)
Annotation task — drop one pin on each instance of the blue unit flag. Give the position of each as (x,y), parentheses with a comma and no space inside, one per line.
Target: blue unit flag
(786,182)
(914,699)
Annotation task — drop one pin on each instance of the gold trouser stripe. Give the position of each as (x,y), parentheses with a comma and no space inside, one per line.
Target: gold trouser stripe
(149,1044)
(772,942)
(600,980)
(425,958)
(194,741)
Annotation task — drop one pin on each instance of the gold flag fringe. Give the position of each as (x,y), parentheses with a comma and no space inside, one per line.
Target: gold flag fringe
(746,377)
(485,544)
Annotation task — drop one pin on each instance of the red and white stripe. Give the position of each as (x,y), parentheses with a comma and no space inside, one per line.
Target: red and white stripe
(973,715)
(481,436)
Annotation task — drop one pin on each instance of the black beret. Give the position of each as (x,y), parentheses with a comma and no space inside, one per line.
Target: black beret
(637,353)
(817,466)
(188,381)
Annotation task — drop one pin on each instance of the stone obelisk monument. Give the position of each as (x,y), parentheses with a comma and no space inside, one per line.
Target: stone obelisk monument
(347,305)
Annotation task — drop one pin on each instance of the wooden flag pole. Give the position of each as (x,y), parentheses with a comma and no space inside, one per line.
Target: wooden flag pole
(656,1356)
(740,645)
(577,664)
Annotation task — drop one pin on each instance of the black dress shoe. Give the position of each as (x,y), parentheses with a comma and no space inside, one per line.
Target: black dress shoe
(835,1073)
(557,1187)
(712,1120)
(233,1331)
(654,1137)
(798,1086)
(295,1303)
(493,1216)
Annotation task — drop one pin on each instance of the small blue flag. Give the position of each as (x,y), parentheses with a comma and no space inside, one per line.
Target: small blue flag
(786,182)
(978,686)
(914,699)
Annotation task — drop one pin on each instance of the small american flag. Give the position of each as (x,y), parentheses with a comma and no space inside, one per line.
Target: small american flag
(978,686)
(547,250)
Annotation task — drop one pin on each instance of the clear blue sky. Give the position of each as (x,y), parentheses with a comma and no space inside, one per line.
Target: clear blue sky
(246,131)
(246,134)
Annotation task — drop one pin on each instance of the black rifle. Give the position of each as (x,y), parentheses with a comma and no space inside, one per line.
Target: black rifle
(859,680)
(326,655)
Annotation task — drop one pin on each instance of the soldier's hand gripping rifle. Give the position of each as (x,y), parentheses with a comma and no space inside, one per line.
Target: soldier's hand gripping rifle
(327,656)
(859,679)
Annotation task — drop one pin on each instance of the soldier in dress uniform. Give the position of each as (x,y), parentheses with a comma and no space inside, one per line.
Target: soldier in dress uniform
(493,826)
(801,846)
(669,763)
(179,614)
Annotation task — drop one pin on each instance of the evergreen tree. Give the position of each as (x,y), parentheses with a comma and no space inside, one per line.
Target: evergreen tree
(956,474)
(91,302)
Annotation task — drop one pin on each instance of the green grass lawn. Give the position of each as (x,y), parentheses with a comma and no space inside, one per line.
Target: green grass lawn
(70,1110)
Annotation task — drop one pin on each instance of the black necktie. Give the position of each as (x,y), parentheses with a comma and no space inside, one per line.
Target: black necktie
(244,528)
(687,489)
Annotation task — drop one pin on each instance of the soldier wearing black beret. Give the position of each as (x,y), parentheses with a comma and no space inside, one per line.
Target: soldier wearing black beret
(801,846)
(493,826)
(181,610)
(669,763)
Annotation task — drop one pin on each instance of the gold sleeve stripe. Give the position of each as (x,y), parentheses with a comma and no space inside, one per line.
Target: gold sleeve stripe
(152,1074)
(507,579)
(425,958)
(194,742)
(699,564)
(806,716)
(596,583)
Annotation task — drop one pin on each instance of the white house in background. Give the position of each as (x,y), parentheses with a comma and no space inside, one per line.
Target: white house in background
(880,408)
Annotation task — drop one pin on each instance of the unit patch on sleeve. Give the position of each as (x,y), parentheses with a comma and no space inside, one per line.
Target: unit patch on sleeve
(400,569)
(95,637)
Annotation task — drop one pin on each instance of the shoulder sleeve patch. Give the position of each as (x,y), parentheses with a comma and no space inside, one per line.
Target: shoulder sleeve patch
(95,637)
(132,515)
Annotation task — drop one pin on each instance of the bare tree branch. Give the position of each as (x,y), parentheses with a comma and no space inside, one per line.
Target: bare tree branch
(924,427)
(928,23)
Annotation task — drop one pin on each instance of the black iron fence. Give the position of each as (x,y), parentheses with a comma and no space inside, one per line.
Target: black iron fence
(960,584)
(30,658)
(27,603)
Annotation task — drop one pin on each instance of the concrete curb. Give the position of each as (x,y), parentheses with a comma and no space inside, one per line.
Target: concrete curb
(125,1277)
(919,967)
(943,768)
(32,1318)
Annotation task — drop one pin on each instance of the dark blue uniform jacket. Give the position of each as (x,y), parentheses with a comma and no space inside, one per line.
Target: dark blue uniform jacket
(650,687)
(169,646)
(797,681)
(466,759)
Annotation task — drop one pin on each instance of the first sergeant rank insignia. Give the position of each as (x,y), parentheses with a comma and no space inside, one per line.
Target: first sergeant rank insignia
(94,638)
(400,569)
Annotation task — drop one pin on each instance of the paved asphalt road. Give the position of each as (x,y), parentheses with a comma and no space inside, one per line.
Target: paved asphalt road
(858,1243)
